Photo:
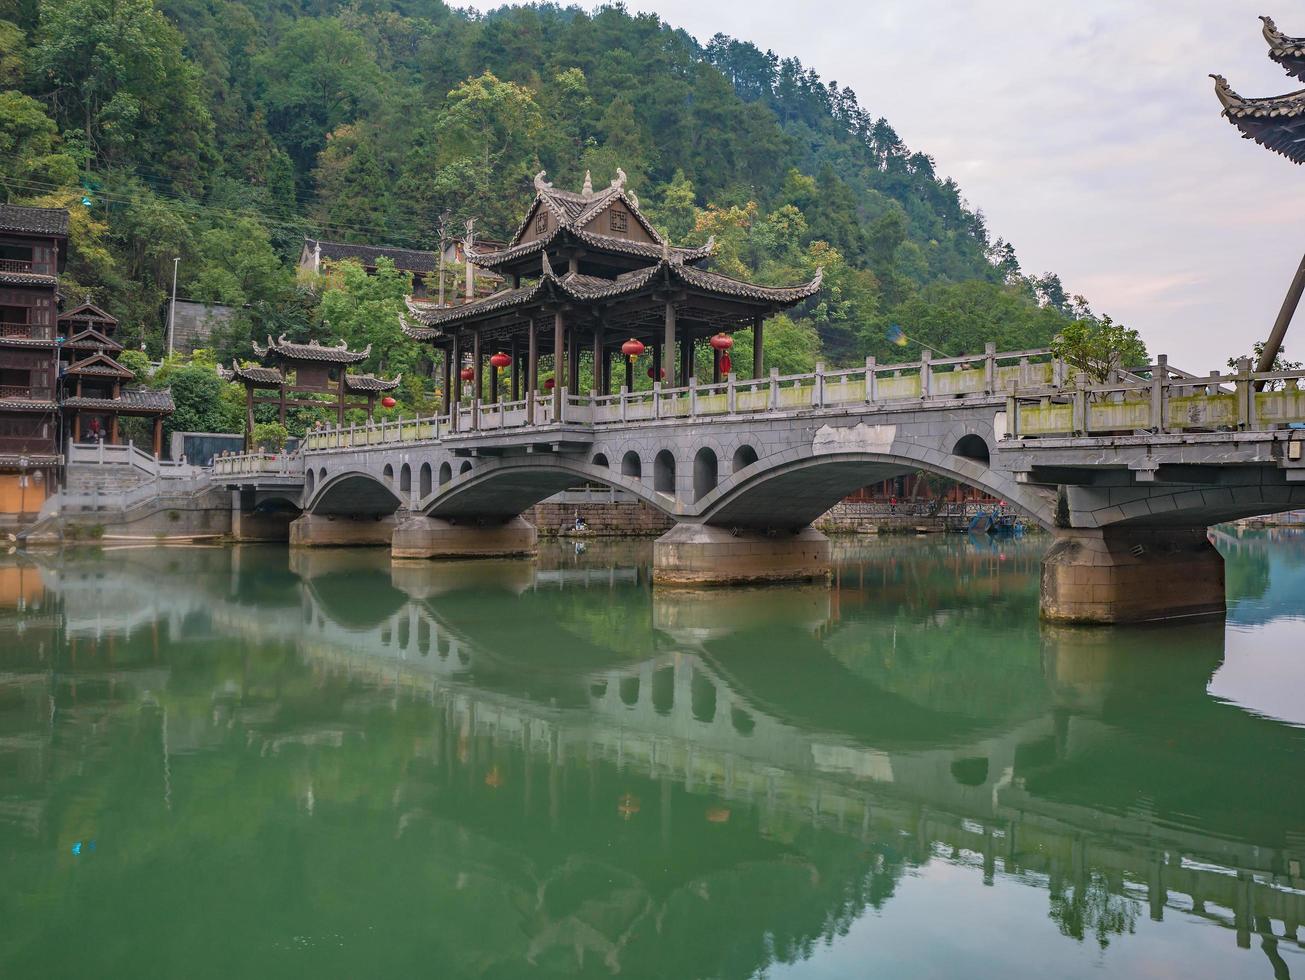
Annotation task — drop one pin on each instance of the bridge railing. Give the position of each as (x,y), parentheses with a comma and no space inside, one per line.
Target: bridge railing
(929,379)
(1168,402)
(259,464)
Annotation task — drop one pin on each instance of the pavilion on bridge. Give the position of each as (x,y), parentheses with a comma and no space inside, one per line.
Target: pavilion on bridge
(310,369)
(588,271)
(95,394)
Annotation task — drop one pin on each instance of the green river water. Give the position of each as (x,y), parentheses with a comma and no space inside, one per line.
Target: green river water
(242,762)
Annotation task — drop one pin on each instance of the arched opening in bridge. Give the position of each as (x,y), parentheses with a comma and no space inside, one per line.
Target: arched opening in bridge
(970,772)
(972,447)
(465,467)
(742,721)
(321,475)
(423,636)
(405,478)
(446,473)
(309,479)
(424,480)
(704,473)
(663,690)
(664,472)
(405,630)
(629,691)
(388,473)
(600,460)
(632,465)
(744,456)
(702,696)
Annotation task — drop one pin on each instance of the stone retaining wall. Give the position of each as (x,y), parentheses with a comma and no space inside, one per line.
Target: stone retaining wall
(631,518)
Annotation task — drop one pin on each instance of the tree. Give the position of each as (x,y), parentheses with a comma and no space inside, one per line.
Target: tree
(197,395)
(1099,347)
(31,153)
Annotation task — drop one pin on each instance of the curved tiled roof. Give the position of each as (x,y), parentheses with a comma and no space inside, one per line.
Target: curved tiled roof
(91,339)
(311,351)
(27,405)
(404,259)
(88,311)
(583,288)
(35,221)
(102,365)
(574,210)
(604,243)
(1286,51)
(26,278)
(134,400)
(1275,122)
(257,376)
(369,382)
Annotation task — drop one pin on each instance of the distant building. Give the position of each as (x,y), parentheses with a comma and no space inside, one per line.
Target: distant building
(193,323)
(317,256)
(33,247)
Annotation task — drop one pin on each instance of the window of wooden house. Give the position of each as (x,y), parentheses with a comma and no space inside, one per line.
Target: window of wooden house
(16,253)
(541,222)
(618,220)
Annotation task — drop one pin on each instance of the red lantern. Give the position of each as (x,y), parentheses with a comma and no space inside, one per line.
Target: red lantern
(654,376)
(500,360)
(722,341)
(726,365)
(467,374)
(549,384)
(632,348)
(388,402)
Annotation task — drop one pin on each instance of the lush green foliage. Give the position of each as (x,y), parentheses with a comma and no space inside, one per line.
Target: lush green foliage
(1099,347)
(222,132)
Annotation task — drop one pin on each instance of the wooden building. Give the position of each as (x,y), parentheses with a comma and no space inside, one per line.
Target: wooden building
(312,370)
(33,246)
(587,271)
(95,395)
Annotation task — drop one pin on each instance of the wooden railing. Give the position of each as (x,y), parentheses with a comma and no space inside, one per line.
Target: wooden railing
(15,265)
(24,391)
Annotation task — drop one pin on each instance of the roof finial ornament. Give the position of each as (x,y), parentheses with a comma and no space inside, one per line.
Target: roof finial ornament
(1223,90)
(666,250)
(588,189)
(541,185)
(548,267)
(619,180)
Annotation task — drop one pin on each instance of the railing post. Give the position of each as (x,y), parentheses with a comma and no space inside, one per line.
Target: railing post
(1159,384)
(657,399)
(1080,404)
(693,395)
(989,368)
(1058,371)
(871,380)
(818,395)
(1012,413)
(624,402)
(926,373)
(730,396)
(774,388)
(1024,372)
(561,417)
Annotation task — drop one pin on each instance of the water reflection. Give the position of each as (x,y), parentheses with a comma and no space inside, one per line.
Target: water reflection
(320,762)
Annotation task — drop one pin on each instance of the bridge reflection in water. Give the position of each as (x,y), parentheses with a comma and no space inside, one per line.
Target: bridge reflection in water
(303,762)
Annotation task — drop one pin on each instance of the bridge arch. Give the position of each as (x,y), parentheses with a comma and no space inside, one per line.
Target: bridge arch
(744,457)
(446,473)
(600,459)
(632,465)
(664,472)
(794,492)
(388,473)
(465,467)
(353,494)
(405,478)
(424,482)
(972,447)
(310,479)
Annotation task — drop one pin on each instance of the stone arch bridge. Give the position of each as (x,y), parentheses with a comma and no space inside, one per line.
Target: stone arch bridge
(1127,475)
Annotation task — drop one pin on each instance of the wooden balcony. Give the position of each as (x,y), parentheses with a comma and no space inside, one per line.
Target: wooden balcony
(26,392)
(16,265)
(29,331)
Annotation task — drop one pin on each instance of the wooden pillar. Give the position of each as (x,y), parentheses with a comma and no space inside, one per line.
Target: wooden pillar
(281,406)
(477,389)
(516,369)
(456,377)
(249,415)
(598,361)
(532,372)
(686,358)
(758,360)
(340,398)
(657,363)
(715,366)
(668,346)
(158,436)
(448,380)
(572,362)
(559,361)
(113,431)
(629,373)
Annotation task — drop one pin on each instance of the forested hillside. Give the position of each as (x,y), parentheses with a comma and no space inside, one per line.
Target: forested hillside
(223,131)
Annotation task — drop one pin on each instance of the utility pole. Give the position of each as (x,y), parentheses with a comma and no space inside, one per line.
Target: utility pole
(444,243)
(172,308)
(466,254)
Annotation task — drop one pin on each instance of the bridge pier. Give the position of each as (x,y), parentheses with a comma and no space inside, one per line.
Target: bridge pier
(700,554)
(1131,575)
(434,537)
(340,531)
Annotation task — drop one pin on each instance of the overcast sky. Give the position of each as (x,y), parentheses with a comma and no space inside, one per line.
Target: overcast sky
(1089,135)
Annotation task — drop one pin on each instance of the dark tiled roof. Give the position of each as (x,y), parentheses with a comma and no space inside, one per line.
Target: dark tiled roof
(26,342)
(588,288)
(102,365)
(91,339)
(134,400)
(604,243)
(576,210)
(26,278)
(34,221)
(26,405)
(1286,51)
(257,376)
(369,382)
(88,311)
(1276,122)
(404,259)
(311,351)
